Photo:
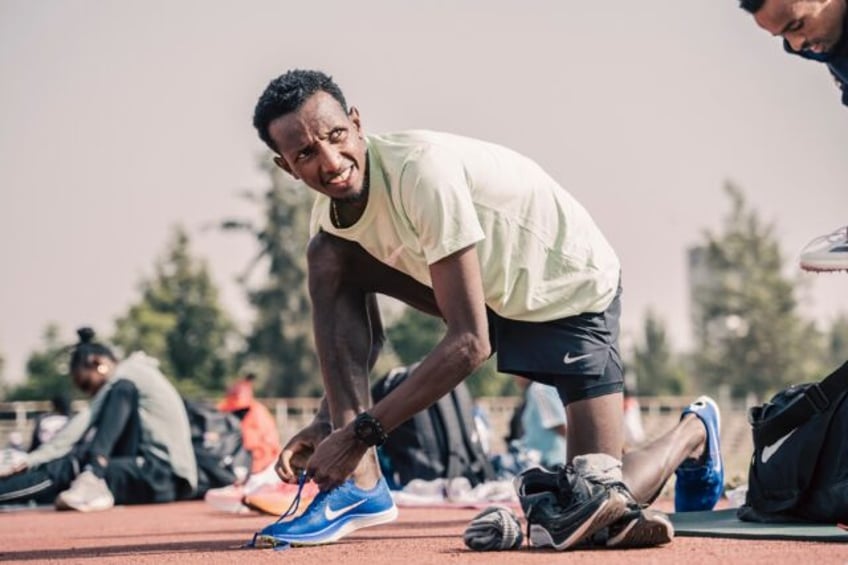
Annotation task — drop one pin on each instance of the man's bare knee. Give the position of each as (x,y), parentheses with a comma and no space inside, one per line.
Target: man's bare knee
(333,258)
(326,256)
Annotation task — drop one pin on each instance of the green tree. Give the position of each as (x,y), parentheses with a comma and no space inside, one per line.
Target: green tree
(46,369)
(414,334)
(657,369)
(280,344)
(836,352)
(748,334)
(179,320)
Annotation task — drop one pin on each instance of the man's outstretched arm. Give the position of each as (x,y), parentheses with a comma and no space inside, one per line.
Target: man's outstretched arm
(458,289)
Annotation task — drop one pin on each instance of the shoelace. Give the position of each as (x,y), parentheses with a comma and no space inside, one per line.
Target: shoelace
(295,503)
(292,509)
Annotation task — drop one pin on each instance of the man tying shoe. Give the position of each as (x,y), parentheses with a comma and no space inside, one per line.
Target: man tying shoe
(483,238)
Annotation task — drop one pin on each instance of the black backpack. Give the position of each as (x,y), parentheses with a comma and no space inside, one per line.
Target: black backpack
(439,442)
(218,448)
(799,469)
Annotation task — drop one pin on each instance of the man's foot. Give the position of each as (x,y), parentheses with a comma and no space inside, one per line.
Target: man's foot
(332,515)
(827,252)
(88,493)
(563,509)
(699,483)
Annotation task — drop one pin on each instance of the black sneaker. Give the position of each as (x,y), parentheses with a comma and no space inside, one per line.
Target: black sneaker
(563,509)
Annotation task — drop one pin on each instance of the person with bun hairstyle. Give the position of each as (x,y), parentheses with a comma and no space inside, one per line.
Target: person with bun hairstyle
(133,445)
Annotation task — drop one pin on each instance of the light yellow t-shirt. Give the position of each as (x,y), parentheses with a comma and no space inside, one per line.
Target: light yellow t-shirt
(432,194)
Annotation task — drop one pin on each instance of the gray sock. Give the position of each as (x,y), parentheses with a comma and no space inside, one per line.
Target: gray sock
(598,467)
(494,529)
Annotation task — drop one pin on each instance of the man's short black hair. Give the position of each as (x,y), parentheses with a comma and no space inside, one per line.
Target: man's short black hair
(751,5)
(287,93)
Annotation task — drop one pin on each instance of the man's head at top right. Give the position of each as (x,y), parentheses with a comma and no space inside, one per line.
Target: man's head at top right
(807,25)
(303,117)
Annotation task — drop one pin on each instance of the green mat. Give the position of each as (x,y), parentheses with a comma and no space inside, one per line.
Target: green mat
(725,524)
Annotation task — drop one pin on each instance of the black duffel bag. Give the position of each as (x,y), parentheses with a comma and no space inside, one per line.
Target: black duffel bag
(799,469)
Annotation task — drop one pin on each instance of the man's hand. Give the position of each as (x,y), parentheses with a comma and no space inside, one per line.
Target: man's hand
(336,458)
(299,449)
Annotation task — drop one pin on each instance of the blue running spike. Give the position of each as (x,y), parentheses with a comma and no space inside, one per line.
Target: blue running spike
(332,515)
(700,484)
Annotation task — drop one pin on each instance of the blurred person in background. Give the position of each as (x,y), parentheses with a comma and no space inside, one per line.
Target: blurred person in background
(50,423)
(258,426)
(543,422)
(262,491)
(133,445)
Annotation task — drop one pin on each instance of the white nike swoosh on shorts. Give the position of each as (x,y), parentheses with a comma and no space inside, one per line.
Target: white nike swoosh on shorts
(568,360)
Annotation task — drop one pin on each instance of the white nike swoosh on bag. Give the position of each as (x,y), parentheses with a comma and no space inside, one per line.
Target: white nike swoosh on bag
(331,514)
(770,450)
(568,359)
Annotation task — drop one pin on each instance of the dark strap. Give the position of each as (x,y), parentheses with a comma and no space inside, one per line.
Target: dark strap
(456,462)
(479,461)
(816,399)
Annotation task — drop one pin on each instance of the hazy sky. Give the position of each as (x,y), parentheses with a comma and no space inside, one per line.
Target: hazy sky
(119,120)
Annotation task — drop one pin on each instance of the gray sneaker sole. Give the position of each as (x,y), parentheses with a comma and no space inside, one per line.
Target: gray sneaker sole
(649,529)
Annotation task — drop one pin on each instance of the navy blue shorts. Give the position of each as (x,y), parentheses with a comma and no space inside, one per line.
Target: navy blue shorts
(578,355)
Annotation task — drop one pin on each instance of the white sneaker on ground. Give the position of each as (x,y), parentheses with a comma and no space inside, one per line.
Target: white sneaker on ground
(227,499)
(88,493)
(827,253)
(265,477)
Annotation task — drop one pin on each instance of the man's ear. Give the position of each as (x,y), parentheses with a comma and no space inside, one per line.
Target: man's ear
(353,114)
(280,162)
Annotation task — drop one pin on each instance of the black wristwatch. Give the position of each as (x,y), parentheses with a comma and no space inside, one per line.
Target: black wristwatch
(368,430)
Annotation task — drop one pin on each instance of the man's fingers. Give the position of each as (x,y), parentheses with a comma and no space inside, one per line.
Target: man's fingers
(284,468)
(292,462)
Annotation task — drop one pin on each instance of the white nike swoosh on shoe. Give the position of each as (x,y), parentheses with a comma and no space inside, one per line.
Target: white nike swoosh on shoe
(331,514)
(568,359)
(770,450)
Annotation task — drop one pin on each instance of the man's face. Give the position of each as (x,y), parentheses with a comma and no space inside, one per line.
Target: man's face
(322,146)
(808,25)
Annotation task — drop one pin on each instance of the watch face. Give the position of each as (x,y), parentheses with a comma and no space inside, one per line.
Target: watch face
(366,429)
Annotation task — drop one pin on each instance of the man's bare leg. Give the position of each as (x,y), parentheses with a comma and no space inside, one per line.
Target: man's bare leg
(595,426)
(647,469)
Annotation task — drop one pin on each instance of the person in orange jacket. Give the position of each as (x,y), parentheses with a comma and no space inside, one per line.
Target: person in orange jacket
(259,428)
